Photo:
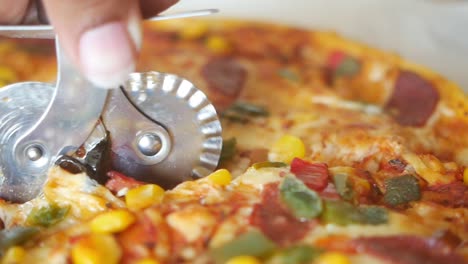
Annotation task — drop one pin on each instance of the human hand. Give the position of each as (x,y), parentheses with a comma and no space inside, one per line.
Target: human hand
(101,37)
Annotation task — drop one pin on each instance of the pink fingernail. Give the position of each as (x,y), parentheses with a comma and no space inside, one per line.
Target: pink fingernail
(107,54)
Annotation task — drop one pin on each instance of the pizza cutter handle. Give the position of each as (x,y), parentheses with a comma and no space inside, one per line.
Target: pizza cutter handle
(69,118)
(47,31)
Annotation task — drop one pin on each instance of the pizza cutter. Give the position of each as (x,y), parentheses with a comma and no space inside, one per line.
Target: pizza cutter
(162,129)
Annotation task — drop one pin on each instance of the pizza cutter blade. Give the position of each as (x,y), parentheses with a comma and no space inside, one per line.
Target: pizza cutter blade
(167,134)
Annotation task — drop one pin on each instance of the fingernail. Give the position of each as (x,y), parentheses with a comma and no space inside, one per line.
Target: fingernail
(107,54)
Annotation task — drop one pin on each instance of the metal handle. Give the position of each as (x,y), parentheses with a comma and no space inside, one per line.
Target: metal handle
(47,31)
(63,127)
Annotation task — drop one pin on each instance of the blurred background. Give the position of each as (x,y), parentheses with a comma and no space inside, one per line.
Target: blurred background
(430,32)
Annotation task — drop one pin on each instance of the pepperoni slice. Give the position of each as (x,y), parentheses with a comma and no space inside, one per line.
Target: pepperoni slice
(275,221)
(407,250)
(413,101)
(118,181)
(314,175)
(225,75)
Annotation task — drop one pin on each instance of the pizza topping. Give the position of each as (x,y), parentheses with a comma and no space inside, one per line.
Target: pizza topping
(243,112)
(14,254)
(330,192)
(96,248)
(252,243)
(229,149)
(289,74)
(304,203)
(7,76)
(465,176)
(243,260)
(453,194)
(314,175)
(413,101)
(401,190)
(16,236)
(225,75)
(47,216)
(394,165)
(270,216)
(343,65)
(119,182)
(140,238)
(286,149)
(112,221)
(269,164)
(343,213)
(218,45)
(221,177)
(407,250)
(144,196)
(429,168)
(298,254)
(343,186)
(332,258)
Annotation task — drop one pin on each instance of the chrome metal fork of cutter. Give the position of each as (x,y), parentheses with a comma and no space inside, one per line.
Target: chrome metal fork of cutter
(162,129)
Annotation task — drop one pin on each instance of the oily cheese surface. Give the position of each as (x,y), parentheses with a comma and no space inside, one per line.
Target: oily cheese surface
(333,151)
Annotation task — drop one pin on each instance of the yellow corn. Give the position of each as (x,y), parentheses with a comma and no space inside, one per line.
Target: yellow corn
(14,255)
(7,76)
(218,45)
(112,221)
(144,196)
(221,177)
(286,149)
(194,31)
(243,260)
(96,249)
(148,261)
(332,258)
(465,176)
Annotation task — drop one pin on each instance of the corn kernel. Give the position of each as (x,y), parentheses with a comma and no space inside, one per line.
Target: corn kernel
(218,45)
(148,261)
(14,255)
(243,260)
(194,31)
(286,149)
(112,221)
(332,258)
(465,176)
(144,196)
(7,76)
(221,177)
(96,249)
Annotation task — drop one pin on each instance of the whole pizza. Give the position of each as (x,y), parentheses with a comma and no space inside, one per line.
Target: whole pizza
(334,152)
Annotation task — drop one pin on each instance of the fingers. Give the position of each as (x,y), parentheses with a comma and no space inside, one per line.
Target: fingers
(13,11)
(101,37)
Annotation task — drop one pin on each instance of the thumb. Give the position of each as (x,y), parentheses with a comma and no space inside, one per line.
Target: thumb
(101,37)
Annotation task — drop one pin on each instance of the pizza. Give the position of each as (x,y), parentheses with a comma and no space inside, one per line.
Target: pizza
(334,152)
